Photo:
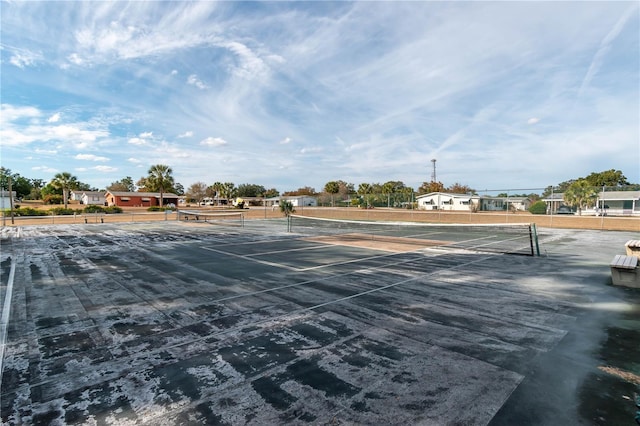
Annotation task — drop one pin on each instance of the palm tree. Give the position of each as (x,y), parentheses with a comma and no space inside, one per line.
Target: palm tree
(580,194)
(228,190)
(332,188)
(160,179)
(287,208)
(217,188)
(65,181)
(364,189)
(388,188)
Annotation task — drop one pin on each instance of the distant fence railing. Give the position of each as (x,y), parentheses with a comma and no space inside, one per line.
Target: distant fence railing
(88,218)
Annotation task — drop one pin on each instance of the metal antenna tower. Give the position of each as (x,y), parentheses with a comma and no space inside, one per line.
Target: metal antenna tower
(433,174)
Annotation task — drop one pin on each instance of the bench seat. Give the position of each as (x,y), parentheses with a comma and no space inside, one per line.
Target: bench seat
(632,247)
(624,262)
(625,271)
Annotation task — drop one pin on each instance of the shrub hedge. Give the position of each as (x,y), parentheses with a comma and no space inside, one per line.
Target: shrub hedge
(539,207)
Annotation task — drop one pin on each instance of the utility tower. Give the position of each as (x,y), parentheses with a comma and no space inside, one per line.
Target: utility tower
(433,173)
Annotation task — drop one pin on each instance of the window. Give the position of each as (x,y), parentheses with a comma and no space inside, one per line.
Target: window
(124,198)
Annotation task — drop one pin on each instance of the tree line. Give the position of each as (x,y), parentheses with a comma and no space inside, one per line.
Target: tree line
(579,192)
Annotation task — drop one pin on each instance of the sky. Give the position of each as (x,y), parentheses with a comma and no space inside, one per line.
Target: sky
(503,95)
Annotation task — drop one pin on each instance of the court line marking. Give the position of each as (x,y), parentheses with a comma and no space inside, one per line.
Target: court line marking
(6,309)
(344,274)
(252,258)
(244,257)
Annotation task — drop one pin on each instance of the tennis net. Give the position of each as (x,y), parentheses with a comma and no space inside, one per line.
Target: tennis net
(214,218)
(497,238)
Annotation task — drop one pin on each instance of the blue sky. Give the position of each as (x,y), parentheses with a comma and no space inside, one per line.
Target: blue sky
(292,94)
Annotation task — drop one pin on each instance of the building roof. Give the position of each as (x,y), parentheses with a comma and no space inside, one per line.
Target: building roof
(606,195)
(447,194)
(142,194)
(556,196)
(619,195)
(513,199)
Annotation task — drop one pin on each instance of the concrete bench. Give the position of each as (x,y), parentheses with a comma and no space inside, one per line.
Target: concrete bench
(625,271)
(632,247)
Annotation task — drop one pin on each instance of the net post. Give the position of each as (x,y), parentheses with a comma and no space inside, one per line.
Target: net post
(534,240)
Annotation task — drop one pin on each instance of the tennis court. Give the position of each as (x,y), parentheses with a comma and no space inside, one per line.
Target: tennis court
(199,322)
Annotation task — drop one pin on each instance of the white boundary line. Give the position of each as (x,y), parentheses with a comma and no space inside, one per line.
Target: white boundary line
(6,309)
(252,257)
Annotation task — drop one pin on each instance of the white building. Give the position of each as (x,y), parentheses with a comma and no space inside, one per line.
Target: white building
(504,203)
(296,201)
(93,198)
(5,199)
(446,201)
(616,203)
(612,203)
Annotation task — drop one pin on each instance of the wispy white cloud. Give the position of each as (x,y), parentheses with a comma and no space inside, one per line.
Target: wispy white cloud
(45,169)
(479,85)
(311,149)
(211,141)
(90,157)
(23,59)
(105,169)
(605,45)
(249,64)
(21,126)
(193,80)
(54,118)
(137,141)
(142,139)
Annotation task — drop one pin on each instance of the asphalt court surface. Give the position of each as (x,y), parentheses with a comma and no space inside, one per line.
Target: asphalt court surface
(183,323)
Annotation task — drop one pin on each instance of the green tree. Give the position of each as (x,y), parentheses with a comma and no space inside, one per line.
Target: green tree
(539,207)
(123,185)
(307,190)
(458,188)
(21,185)
(178,189)
(36,189)
(250,190)
(160,179)
(66,182)
(365,190)
(228,190)
(287,208)
(561,187)
(272,192)
(580,194)
(332,187)
(216,191)
(611,177)
(428,187)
